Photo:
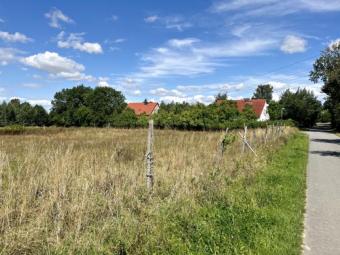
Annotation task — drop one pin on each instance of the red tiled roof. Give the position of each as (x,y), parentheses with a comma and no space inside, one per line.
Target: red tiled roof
(142,108)
(256,104)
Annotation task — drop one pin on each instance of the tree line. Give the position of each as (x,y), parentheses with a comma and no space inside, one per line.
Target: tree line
(83,106)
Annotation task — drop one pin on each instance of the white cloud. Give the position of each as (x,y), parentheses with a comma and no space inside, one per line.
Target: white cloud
(76,41)
(137,92)
(274,7)
(203,93)
(293,44)
(43,102)
(189,99)
(197,58)
(57,66)
(241,30)
(8,55)
(103,82)
(211,88)
(176,22)
(179,43)
(56,17)
(170,22)
(2,20)
(119,40)
(166,92)
(15,37)
(151,19)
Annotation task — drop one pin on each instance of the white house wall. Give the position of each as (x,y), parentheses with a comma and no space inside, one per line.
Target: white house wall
(264,114)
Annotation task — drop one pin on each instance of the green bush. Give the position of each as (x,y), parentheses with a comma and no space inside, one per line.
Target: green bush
(12,130)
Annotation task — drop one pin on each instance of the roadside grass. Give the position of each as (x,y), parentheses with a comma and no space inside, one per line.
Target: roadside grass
(82,191)
(259,214)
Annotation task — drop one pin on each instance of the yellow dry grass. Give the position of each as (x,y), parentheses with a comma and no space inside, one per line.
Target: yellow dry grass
(71,188)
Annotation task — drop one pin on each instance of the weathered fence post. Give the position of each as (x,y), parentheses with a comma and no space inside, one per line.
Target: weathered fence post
(245,142)
(244,138)
(149,157)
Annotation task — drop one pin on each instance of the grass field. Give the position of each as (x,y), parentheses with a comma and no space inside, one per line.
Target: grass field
(82,191)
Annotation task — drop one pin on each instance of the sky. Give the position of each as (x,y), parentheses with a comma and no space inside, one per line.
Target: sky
(162,50)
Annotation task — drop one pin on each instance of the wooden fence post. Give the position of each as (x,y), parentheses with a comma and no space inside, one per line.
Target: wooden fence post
(149,157)
(245,142)
(244,138)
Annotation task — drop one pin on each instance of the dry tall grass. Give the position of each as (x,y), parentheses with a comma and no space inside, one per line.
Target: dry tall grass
(83,189)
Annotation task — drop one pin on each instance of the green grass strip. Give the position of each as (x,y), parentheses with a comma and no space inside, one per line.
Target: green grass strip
(262,214)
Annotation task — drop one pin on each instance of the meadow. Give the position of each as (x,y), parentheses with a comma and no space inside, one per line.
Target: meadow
(83,191)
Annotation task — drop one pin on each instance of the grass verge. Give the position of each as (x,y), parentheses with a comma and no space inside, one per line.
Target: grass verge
(259,214)
(82,191)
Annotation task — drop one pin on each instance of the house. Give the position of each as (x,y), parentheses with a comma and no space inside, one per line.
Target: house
(147,108)
(259,106)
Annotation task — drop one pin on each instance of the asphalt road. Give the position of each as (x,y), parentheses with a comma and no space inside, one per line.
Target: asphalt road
(322,221)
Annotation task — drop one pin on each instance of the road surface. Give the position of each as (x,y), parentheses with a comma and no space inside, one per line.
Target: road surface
(322,221)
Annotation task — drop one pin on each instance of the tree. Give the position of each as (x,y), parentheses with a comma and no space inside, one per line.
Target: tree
(126,118)
(3,114)
(327,69)
(275,110)
(24,115)
(302,106)
(221,96)
(248,113)
(264,92)
(67,102)
(40,116)
(105,101)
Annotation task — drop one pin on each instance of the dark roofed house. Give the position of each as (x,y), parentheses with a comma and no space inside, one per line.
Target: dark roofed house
(147,108)
(259,106)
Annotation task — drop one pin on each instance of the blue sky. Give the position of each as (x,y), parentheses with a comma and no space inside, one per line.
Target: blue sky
(162,50)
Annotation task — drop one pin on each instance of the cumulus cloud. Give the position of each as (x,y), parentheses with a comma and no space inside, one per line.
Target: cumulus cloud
(293,44)
(57,66)
(166,92)
(76,41)
(103,82)
(44,102)
(56,17)
(15,37)
(202,93)
(189,99)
